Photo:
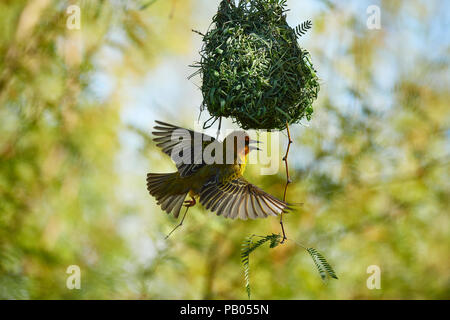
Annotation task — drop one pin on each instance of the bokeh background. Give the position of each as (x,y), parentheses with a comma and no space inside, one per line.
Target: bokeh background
(76,112)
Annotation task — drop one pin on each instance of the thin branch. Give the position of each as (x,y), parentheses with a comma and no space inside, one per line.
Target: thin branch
(287,239)
(288,178)
(219,128)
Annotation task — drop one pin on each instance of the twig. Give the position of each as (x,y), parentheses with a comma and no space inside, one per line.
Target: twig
(181,223)
(287,239)
(218,129)
(288,178)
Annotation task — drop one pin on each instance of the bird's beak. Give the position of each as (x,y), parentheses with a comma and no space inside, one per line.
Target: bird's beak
(254,147)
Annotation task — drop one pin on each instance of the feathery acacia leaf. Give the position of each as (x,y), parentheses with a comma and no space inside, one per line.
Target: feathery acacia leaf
(248,246)
(324,268)
(303,28)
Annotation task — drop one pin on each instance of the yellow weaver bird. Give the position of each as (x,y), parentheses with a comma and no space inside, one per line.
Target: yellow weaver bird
(219,186)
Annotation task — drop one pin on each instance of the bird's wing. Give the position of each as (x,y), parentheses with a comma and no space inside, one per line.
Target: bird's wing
(184,146)
(240,199)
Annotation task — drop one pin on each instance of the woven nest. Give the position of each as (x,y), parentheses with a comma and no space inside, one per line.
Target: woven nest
(253,68)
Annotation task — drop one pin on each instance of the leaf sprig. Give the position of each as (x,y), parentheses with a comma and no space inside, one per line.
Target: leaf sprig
(303,28)
(322,265)
(248,246)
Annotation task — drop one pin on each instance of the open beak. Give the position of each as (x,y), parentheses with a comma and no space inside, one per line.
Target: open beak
(254,147)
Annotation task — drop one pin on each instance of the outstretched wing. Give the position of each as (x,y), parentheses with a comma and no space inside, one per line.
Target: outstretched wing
(240,199)
(184,146)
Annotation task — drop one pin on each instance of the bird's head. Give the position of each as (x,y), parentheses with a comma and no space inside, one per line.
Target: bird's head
(240,143)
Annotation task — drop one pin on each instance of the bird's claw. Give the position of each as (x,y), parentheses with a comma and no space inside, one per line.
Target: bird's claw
(190,203)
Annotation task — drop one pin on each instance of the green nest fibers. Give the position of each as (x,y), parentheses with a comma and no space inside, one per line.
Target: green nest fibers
(253,68)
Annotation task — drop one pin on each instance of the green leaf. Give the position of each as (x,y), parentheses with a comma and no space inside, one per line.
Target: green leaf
(324,268)
(303,28)
(248,246)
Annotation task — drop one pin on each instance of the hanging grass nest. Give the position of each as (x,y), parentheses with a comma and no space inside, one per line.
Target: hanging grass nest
(253,68)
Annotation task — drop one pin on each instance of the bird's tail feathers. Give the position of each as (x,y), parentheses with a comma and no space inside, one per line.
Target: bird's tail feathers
(159,185)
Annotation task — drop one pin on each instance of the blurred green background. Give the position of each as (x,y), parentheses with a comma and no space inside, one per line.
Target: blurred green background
(76,111)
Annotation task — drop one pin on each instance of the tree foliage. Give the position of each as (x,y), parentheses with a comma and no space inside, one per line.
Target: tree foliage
(371,167)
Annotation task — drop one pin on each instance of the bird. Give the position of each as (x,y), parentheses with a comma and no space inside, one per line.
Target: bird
(219,186)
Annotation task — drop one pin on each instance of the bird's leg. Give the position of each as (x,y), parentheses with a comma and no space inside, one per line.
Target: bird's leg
(187,204)
(180,224)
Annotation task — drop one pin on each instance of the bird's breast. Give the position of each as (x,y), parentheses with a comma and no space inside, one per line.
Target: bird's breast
(222,173)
